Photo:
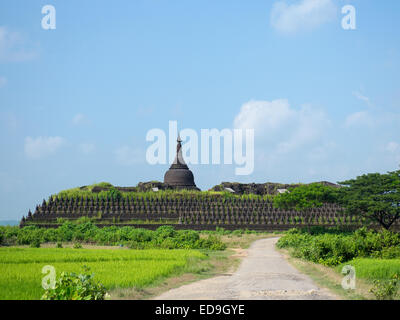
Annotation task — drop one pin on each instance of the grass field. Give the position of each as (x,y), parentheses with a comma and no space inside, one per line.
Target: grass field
(21,268)
(375,269)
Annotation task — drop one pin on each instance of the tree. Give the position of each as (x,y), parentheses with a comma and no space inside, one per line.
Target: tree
(114,194)
(306,197)
(374,196)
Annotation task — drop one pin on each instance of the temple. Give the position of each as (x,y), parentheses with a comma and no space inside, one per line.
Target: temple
(179,176)
(247,206)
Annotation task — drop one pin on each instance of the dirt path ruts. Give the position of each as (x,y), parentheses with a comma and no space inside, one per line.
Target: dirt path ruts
(263,274)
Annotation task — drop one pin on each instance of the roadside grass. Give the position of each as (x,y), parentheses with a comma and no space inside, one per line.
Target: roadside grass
(322,254)
(331,278)
(217,262)
(374,269)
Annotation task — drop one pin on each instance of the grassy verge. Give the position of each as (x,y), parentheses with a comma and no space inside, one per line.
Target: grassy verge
(375,269)
(330,278)
(322,253)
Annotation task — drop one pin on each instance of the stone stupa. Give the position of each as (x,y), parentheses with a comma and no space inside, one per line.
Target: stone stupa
(179,176)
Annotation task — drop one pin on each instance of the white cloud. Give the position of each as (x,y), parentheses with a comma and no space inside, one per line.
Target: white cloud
(87,148)
(288,140)
(302,15)
(280,125)
(361,118)
(14,47)
(263,114)
(362,97)
(3,81)
(128,156)
(36,148)
(79,119)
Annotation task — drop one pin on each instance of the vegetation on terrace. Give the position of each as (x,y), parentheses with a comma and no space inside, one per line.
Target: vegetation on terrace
(86,192)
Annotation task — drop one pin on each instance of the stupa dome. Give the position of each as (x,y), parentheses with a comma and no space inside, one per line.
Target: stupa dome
(179,176)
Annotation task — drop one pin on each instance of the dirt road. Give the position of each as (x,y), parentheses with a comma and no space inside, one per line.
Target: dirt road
(263,274)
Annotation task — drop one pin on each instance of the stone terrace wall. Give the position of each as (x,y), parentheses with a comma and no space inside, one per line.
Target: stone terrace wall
(192,213)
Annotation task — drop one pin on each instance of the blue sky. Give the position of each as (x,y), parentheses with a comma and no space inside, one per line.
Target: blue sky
(76,102)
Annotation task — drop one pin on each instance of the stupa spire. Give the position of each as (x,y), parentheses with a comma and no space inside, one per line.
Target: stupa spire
(179,158)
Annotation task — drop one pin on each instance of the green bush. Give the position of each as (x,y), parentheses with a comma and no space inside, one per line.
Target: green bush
(189,236)
(212,242)
(222,231)
(387,253)
(10,234)
(50,235)
(85,231)
(139,235)
(35,243)
(334,248)
(77,245)
(136,245)
(164,232)
(66,231)
(386,290)
(237,233)
(30,235)
(71,286)
(114,194)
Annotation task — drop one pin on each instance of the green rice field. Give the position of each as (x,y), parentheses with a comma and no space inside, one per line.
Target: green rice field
(21,268)
(374,269)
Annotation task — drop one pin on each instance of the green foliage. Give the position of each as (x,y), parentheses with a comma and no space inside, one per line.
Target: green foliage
(213,242)
(238,232)
(35,243)
(306,197)
(77,245)
(59,245)
(386,290)
(8,234)
(81,220)
(101,184)
(222,231)
(72,286)
(114,194)
(30,235)
(85,231)
(66,231)
(335,248)
(87,193)
(164,232)
(167,238)
(373,196)
(387,253)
